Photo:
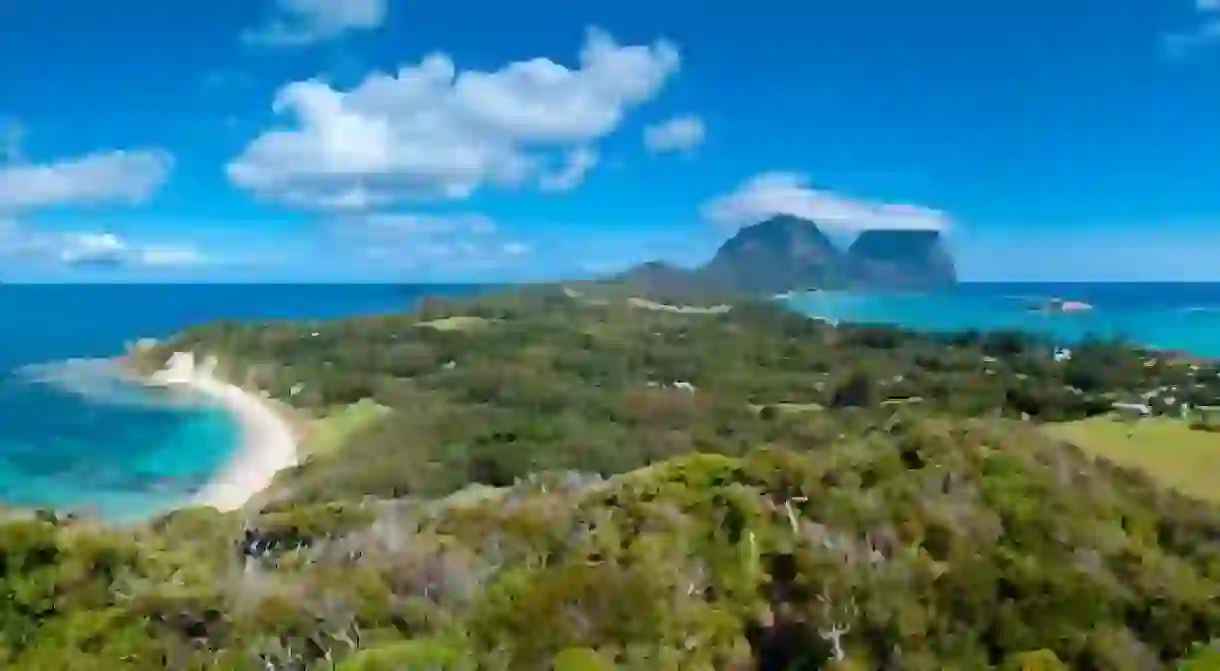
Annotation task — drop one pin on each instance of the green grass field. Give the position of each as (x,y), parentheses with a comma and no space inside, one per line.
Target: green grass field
(1166,449)
(331,432)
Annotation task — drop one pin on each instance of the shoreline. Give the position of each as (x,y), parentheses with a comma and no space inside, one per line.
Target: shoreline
(268,442)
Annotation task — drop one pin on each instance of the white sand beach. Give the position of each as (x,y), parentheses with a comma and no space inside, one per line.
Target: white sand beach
(268,440)
(646,304)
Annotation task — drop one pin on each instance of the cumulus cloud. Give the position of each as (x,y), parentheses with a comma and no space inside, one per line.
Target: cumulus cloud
(102,177)
(100,249)
(303,22)
(92,248)
(682,133)
(99,178)
(776,193)
(429,131)
(576,165)
(109,250)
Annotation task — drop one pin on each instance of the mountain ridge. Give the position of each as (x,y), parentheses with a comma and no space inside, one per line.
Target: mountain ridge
(901,258)
(787,253)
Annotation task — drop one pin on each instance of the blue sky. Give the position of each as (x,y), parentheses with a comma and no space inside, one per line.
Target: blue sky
(469,140)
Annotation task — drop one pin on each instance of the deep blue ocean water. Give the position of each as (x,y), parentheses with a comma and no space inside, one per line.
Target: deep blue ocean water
(1169,316)
(74,437)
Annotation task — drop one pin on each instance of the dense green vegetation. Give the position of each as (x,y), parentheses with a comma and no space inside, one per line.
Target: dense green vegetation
(580,486)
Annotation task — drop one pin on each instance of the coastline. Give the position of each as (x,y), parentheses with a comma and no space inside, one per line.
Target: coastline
(269,439)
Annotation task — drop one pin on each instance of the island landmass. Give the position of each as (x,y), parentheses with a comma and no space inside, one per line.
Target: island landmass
(552,478)
(1061,305)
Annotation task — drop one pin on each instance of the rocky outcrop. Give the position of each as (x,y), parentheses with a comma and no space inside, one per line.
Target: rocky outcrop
(777,255)
(787,253)
(901,259)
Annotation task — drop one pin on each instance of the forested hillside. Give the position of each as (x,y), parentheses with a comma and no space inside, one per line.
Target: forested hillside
(532,481)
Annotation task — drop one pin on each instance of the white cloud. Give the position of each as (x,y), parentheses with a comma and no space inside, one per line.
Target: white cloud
(682,133)
(103,177)
(775,193)
(92,248)
(108,249)
(304,22)
(576,165)
(432,132)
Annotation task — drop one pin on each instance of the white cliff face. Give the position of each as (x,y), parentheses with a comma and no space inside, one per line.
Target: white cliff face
(179,369)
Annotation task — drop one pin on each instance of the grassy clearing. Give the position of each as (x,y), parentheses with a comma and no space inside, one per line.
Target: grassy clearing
(329,433)
(458,323)
(646,304)
(1167,449)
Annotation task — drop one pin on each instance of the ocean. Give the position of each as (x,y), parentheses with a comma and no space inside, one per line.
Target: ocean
(75,437)
(1169,316)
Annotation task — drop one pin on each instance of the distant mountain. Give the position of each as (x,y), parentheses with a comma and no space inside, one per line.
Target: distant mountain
(787,253)
(776,255)
(899,258)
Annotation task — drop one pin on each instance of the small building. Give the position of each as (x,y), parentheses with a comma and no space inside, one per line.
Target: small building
(1062,354)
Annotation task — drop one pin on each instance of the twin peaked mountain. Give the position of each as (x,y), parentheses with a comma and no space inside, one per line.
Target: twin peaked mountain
(786,253)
